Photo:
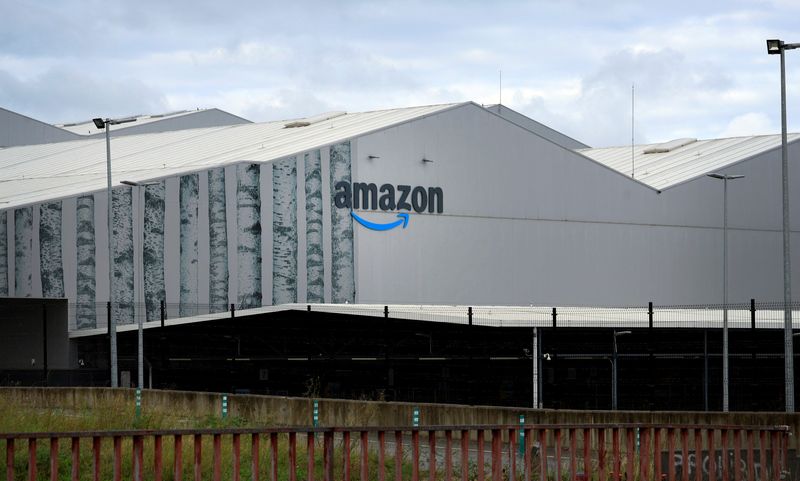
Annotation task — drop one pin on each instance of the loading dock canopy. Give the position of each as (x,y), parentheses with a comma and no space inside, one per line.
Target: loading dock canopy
(739,316)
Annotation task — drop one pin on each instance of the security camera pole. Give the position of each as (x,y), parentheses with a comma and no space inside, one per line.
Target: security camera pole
(104,124)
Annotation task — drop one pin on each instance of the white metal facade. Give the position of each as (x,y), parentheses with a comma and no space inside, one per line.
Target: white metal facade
(524,220)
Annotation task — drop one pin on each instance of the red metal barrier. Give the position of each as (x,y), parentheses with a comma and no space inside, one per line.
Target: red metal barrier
(643,452)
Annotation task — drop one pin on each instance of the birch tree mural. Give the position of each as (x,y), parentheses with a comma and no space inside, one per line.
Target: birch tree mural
(315,266)
(85,310)
(122,242)
(23,251)
(248,217)
(153,249)
(218,241)
(3,254)
(52,266)
(189,202)
(342,271)
(284,231)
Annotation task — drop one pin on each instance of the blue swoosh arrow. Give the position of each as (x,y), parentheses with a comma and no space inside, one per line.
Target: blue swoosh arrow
(391,225)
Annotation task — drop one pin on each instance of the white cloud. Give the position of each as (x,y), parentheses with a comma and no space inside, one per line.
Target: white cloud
(751,123)
(61,95)
(697,66)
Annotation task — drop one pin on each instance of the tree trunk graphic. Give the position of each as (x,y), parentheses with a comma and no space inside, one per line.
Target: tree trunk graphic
(122,243)
(284,231)
(315,265)
(153,250)
(218,241)
(86,313)
(188,262)
(23,251)
(50,259)
(248,217)
(342,272)
(3,254)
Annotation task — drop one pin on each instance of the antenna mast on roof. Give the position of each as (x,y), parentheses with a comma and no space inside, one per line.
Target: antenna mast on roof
(633,163)
(500,102)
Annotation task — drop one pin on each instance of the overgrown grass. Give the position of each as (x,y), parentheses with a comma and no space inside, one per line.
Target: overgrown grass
(111,415)
(121,416)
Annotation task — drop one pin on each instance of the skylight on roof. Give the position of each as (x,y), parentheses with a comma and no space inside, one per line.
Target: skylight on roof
(315,119)
(669,146)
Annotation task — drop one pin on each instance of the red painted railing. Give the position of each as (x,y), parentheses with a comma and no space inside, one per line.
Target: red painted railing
(519,453)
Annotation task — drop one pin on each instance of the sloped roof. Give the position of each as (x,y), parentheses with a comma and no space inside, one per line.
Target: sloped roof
(538,128)
(36,173)
(17,129)
(684,159)
(144,122)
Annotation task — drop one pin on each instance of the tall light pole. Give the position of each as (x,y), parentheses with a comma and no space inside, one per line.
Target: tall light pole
(614,369)
(105,124)
(775,47)
(725,382)
(140,330)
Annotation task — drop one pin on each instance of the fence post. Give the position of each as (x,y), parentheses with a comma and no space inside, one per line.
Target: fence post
(44,343)
(163,305)
(233,310)
(386,312)
(754,376)
(555,314)
(111,373)
(469,315)
(650,314)
(309,308)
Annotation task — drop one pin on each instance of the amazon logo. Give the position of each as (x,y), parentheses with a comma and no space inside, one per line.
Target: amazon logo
(387,198)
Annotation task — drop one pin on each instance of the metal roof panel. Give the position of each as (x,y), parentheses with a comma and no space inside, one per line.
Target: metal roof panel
(662,170)
(37,173)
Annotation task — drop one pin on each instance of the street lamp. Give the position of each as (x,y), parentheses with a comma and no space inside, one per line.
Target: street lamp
(725,179)
(614,369)
(140,350)
(775,47)
(112,326)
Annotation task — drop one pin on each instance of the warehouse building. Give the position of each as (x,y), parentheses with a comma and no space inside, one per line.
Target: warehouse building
(454,204)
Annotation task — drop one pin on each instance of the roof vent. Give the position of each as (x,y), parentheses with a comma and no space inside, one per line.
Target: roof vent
(297,123)
(669,146)
(315,119)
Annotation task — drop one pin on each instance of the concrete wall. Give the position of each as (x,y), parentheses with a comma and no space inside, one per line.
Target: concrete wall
(285,411)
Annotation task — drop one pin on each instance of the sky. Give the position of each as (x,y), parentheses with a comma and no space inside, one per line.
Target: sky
(586,68)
